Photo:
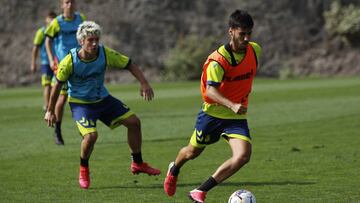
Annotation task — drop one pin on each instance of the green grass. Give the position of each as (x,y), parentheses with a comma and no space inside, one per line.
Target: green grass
(305,135)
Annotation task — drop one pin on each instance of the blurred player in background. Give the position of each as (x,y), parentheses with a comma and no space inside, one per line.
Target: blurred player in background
(84,71)
(46,71)
(226,83)
(62,32)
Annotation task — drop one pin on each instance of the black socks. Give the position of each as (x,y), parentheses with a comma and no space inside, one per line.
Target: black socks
(207,185)
(174,170)
(84,162)
(58,127)
(136,157)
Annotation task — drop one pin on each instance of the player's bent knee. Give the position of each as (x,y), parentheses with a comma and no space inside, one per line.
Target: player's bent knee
(90,138)
(241,160)
(192,153)
(132,122)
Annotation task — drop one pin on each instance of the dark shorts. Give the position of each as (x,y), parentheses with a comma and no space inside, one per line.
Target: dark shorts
(46,70)
(46,74)
(209,129)
(110,111)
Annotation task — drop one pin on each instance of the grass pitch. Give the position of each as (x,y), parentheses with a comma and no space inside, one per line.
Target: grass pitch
(305,135)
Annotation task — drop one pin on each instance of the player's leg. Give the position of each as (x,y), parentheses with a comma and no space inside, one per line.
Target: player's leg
(87,146)
(115,114)
(133,126)
(191,151)
(185,154)
(46,95)
(85,117)
(241,153)
(238,136)
(236,132)
(59,108)
(59,112)
(46,77)
(207,131)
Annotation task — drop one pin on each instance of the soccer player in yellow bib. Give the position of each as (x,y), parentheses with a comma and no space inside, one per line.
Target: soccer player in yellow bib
(46,72)
(62,34)
(226,83)
(84,71)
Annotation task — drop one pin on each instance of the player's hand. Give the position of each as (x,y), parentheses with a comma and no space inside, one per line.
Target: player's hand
(50,118)
(54,68)
(33,68)
(53,65)
(239,109)
(147,92)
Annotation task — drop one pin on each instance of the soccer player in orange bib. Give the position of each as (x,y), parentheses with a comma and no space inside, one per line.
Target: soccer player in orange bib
(226,83)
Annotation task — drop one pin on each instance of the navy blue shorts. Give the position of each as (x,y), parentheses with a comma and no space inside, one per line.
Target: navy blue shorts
(46,74)
(110,111)
(209,129)
(46,70)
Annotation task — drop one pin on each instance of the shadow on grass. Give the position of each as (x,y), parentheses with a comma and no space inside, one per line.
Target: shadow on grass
(160,186)
(280,183)
(157,186)
(166,116)
(116,142)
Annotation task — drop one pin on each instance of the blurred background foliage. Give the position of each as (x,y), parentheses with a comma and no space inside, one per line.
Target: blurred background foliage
(185,60)
(344,21)
(170,40)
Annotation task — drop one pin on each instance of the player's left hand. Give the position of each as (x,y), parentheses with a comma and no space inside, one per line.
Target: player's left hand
(242,110)
(239,109)
(147,92)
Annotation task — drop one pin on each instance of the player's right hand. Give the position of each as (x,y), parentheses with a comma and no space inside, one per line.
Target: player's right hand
(33,67)
(53,65)
(50,118)
(54,68)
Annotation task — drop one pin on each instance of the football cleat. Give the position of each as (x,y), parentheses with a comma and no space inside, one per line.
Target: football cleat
(84,177)
(170,182)
(143,168)
(197,196)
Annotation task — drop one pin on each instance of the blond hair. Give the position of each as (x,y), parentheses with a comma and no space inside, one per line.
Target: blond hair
(86,29)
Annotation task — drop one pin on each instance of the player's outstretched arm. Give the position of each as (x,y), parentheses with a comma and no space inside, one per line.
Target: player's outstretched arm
(145,90)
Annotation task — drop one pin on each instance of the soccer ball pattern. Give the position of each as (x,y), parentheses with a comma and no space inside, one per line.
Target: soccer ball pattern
(242,196)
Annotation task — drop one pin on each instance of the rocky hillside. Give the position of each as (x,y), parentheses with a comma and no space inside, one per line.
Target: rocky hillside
(291,33)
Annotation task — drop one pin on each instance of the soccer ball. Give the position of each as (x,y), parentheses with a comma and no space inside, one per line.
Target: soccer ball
(242,196)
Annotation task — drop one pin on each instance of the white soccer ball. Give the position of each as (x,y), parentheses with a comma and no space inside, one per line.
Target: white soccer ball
(242,196)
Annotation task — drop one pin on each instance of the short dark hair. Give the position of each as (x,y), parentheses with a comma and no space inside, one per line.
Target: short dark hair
(51,14)
(240,18)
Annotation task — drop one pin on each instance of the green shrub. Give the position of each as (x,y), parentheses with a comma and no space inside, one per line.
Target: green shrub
(186,59)
(343,21)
